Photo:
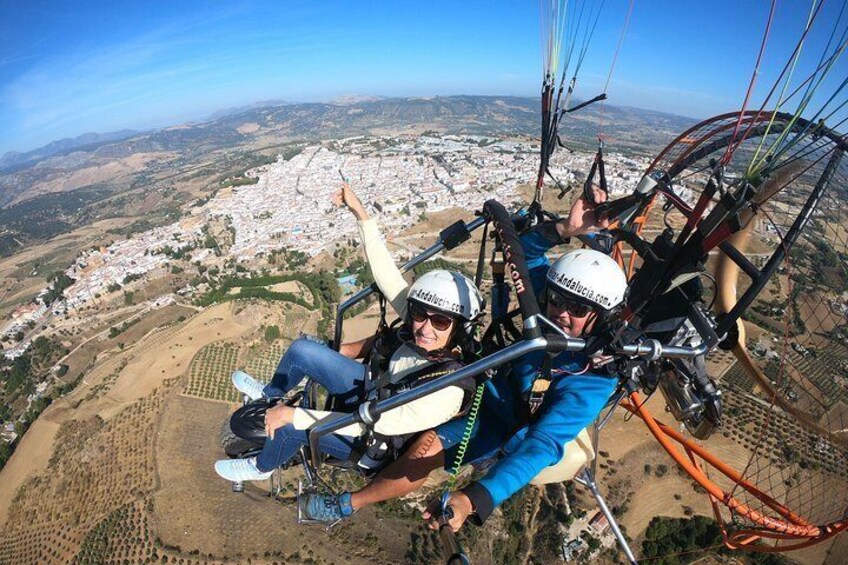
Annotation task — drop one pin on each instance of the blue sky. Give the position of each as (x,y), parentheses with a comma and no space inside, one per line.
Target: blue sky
(68,68)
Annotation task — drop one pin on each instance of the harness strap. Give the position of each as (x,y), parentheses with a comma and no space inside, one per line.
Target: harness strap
(599,170)
(382,301)
(372,448)
(502,329)
(481,257)
(541,384)
(384,383)
(377,358)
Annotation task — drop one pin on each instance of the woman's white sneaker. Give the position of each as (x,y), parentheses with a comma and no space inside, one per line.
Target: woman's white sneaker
(247,385)
(237,470)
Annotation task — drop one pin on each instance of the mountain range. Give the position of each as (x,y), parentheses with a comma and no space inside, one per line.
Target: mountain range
(352,116)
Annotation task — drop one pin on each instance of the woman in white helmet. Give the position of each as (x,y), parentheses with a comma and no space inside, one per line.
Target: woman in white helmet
(437,313)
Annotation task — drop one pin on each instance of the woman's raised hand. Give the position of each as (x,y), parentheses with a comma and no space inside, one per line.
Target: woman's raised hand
(347,197)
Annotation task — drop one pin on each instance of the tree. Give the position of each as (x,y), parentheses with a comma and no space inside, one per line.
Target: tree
(5,453)
(20,372)
(272,333)
(59,281)
(327,285)
(41,346)
(591,541)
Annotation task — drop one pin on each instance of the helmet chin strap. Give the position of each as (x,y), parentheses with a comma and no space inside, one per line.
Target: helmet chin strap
(434,355)
(591,318)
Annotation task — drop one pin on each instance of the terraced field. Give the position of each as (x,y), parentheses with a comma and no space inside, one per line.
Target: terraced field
(96,467)
(210,369)
(209,373)
(262,361)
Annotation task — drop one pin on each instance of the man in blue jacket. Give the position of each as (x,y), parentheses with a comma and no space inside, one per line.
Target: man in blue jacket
(580,289)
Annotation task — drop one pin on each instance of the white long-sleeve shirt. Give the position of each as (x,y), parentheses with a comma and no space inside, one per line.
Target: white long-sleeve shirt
(416,416)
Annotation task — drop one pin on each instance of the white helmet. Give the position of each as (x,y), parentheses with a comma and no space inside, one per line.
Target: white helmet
(590,276)
(448,292)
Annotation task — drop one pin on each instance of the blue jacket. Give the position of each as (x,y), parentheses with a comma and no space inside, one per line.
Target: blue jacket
(571,403)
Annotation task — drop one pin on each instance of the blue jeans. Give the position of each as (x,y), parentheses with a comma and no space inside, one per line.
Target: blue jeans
(342,377)
(287,442)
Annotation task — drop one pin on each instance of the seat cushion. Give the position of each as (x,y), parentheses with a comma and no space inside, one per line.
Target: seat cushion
(578,452)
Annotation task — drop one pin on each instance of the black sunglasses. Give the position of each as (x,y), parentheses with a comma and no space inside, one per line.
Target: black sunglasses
(570,305)
(438,321)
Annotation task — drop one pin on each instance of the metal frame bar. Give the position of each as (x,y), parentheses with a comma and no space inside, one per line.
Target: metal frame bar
(587,479)
(587,476)
(739,258)
(369,412)
(650,348)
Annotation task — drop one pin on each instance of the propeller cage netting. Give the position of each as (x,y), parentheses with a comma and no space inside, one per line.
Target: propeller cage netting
(786,404)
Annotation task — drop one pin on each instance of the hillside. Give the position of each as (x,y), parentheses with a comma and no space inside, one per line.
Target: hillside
(73,183)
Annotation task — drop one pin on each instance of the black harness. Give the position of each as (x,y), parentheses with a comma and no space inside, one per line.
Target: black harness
(373,449)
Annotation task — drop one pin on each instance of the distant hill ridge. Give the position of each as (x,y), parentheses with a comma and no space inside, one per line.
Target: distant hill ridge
(107,159)
(344,117)
(85,142)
